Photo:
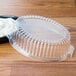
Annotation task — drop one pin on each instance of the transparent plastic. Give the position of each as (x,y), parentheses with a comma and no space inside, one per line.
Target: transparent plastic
(41,39)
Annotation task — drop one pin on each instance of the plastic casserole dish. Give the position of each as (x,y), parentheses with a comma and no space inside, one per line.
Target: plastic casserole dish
(41,39)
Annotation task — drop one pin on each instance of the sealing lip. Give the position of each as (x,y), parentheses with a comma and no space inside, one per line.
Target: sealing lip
(5,39)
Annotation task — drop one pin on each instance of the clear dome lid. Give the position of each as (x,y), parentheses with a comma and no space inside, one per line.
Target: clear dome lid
(40,38)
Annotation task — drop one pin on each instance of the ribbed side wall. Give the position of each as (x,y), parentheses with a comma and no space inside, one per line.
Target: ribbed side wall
(40,49)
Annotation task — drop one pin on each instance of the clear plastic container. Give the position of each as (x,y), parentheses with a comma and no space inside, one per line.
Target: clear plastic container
(41,39)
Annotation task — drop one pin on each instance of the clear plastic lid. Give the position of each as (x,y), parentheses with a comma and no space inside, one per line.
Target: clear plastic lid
(41,39)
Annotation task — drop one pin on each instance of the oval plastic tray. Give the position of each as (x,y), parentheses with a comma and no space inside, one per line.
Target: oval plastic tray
(42,39)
